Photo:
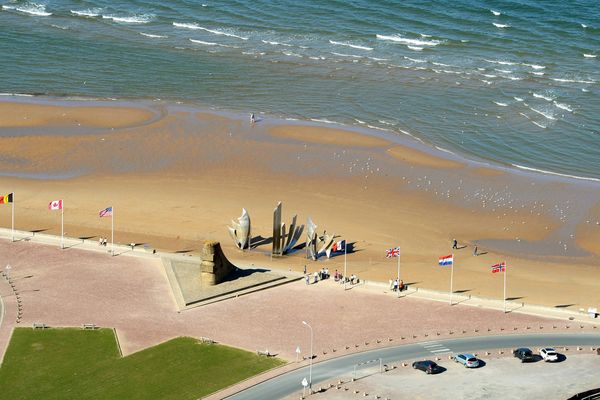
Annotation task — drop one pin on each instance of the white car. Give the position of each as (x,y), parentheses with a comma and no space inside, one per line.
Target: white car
(548,354)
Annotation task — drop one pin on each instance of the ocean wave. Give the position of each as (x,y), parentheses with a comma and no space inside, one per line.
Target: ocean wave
(378,59)
(538,124)
(572,80)
(273,43)
(536,73)
(486,82)
(378,128)
(213,31)
(584,26)
(565,107)
(501,26)
(415,48)
(134,19)
(64,28)
(39,10)
(544,114)
(17,94)
(503,71)
(535,66)
(153,36)
(345,55)
(585,178)
(212,43)
(290,54)
(424,35)
(415,60)
(500,104)
(501,62)
(541,96)
(89,13)
(496,13)
(517,98)
(407,41)
(354,46)
(589,55)
(359,121)
(490,75)
(323,120)
(441,64)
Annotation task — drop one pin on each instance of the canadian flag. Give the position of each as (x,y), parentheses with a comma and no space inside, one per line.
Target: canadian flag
(55,205)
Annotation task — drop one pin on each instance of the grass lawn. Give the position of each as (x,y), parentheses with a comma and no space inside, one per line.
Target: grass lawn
(85,364)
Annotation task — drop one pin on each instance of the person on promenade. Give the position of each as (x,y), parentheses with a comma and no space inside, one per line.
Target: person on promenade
(395,288)
(401,287)
(475,253)
(307,279)
(316,276)
(454,244)
(100,241)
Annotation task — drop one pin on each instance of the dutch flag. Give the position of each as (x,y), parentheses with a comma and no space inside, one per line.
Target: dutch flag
(446,260)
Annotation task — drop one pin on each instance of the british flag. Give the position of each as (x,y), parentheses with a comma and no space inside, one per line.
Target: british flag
(499,267)
(394,252)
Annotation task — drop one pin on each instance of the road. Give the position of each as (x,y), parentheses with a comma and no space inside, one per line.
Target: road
(288,383)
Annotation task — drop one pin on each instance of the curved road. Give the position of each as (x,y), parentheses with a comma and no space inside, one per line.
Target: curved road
(289,383)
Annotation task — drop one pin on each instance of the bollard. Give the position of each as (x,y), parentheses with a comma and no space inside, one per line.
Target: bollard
(515,328)
(390,339)
(464,332)
(489,330)
(437,333)
(414,336)
(404,364)
(452,333)
(500,352)
(553,326)
(333,350)
(366,343)
(401,337)
(427,334)
(347,347)
(501,329)
(378,341)
(528,327)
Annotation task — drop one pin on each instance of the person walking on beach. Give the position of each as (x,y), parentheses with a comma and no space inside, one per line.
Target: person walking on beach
(454,244)
(252,118)
(475,253)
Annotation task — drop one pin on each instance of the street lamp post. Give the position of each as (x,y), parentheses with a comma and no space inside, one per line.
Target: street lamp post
(311,357)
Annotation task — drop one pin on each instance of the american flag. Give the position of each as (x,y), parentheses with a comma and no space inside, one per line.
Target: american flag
(394,252)
(499,267)
(107,212)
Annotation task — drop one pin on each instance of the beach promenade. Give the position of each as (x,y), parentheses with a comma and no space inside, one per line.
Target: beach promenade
(130,292)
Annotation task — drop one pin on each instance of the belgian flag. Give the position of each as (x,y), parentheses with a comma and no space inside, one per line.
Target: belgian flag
(9,198)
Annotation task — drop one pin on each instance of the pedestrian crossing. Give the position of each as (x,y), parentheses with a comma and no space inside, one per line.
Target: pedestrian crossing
(436,348)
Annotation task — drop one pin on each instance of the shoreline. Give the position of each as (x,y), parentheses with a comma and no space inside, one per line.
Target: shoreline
(179,180)
(400,136)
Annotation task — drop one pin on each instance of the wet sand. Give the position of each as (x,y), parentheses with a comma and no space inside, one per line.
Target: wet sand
(178,181)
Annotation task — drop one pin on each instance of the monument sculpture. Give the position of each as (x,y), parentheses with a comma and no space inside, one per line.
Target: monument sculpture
(284,241)
(214,267)
(240,231)
(311,240)
(314,241)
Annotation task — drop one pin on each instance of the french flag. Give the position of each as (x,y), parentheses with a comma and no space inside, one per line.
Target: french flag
(446,260)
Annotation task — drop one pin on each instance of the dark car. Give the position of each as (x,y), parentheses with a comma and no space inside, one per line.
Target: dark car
(426,365)
(524,354)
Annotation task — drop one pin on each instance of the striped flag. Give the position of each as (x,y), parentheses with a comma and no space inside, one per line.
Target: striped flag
(446,260)
(394,252)
(107,212)
(55,205)
(9,198)
(501,267)
(339,246)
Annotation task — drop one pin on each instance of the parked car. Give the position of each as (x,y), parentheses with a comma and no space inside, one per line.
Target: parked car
(524,354)
(468,360)
(548,354)
(426,365)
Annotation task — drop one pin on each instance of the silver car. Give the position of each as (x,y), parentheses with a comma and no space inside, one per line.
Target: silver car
(549,354)
(468,360)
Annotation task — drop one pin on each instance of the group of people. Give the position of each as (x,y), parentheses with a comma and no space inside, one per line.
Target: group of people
(102,241)
(397,286)
(323,273)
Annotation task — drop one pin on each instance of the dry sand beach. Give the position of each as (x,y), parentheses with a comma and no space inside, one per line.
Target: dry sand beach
(176,175)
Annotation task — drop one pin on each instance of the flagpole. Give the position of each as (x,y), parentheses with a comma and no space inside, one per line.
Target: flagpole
(62,226)
(345,265)
(398,274)
(13,217)
(451,278)
(112,232)
(505,272)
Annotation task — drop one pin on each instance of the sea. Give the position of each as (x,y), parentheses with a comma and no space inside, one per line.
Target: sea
(511,83)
